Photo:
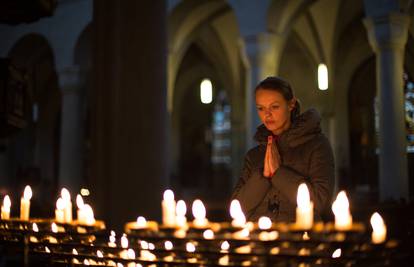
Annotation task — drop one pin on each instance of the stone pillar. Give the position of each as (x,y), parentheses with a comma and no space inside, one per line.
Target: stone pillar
(262,59)
(71,133)
(388,35)
(129,120)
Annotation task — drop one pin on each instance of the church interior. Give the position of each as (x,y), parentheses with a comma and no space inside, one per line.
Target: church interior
(118,101)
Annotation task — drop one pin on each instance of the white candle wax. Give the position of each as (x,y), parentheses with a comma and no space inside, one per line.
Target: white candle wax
(181,210)
(25,204)
(59,211)
(168,208)
(68,205)
(5,208)
(304,210)
(236,212)
(199,213)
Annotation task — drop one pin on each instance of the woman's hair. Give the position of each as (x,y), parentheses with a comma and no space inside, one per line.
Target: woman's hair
(283,87)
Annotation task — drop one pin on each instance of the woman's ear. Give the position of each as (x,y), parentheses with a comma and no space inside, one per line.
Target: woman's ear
(292,103)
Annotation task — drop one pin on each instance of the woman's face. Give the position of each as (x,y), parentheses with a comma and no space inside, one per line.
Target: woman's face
(274,110)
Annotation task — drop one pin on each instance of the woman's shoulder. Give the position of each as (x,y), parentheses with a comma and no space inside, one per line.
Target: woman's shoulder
(255,152)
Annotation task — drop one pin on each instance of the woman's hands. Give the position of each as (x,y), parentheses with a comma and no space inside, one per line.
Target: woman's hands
(272,158)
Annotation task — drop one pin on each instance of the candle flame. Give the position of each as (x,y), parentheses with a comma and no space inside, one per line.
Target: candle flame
(144,245)
(6,202)
(112,239)
(151,246)
(377,222)
(168,195)
(199,211)
(88,212)
(181,208)
(74,252)
(86,262)
(265,223)
(65,194)
(168,245)
(35,228)
(79,201)
(60,204)
(208,234)
(54,228)
(225,245)
(341,203)
(237,214)
(47,249)
(141,221)
(131,253)
(113,233)
(303,198)
(337,253)
(27,195)
(124,241)
(99,254)
(190,247)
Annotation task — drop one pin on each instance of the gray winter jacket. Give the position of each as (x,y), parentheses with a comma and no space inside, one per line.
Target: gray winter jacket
(306,156)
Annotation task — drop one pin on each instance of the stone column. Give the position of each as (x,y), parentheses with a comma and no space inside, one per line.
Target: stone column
(388,35)
(71,132)
(261,55)
(129,160)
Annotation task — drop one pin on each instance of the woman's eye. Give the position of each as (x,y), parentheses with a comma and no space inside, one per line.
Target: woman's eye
(259,108)
(275,107)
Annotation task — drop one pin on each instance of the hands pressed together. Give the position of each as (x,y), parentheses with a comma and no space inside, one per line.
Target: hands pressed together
(272,158)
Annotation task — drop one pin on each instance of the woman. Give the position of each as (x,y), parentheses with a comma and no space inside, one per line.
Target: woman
(292,150)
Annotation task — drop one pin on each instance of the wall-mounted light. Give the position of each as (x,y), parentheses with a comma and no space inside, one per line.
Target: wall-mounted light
(322,77)
(206,91)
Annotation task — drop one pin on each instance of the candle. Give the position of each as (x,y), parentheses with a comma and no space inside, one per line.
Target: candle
(379,230)
(25,203)
(59,211)
(199,213)
(180,211)
(112,239)
(340,207)
(337,253)
(264,223)
(68,205)
(304,210)
(168,245)
(208,234)
(168,208)
(236,212)
(88,213)
(80,213)
(141,222)
(5,208)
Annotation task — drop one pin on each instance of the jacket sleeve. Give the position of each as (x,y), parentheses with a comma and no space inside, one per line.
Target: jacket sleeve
(251,188)
(320,181)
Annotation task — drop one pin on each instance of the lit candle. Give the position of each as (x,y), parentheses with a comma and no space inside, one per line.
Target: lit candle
(168,208)
(112,239)
(59,211)
(89,216)
(304,210)
(340,207)
(180,211)
(236,212)
(199,213)
(379,230)
(208,234)
(68,205)
(264,223)
(124,244)
(141,222)
(80,213)
(25,203)
(5,208)
(337,253)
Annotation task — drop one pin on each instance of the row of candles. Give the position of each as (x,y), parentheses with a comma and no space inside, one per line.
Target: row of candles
(174,213)
(63,211)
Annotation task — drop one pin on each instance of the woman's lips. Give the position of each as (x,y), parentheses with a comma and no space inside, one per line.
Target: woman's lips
(270,122)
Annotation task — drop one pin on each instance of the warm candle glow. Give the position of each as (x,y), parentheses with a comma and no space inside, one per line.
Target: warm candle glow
(141,222)
(99,254)
(168,245)
(124,241)
(190,247)
(88,213)
(7,203)
(74,252)
(168,195)
(225,246)
(264,223)
(131,254)
(144,244)
(340,207)
(35,228)
(54,228)
(236,212)
(322,77)
(79,201)
(379,229)
(208,234)
(206,91)
(337,253)
(199,213)
(304,210)
(27,195)
(60,204)
(181,208)
(65,194)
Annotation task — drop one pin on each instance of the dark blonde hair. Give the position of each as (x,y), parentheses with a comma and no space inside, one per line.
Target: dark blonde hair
(283,87)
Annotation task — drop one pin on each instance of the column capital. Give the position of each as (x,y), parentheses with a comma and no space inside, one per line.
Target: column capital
(388,31)
(69,79)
